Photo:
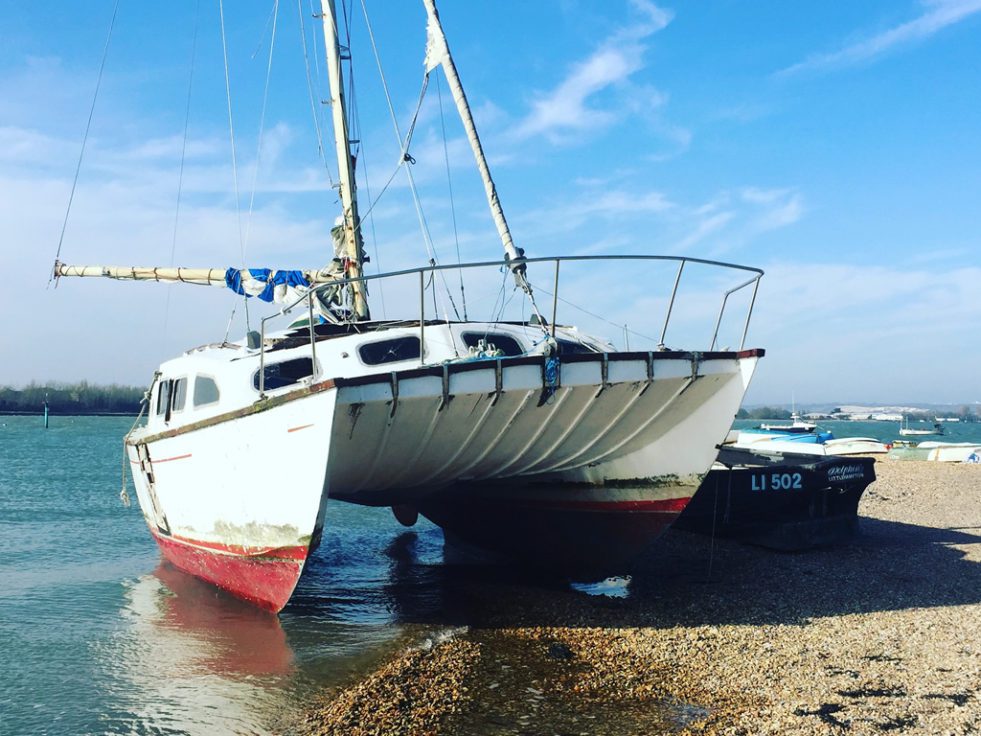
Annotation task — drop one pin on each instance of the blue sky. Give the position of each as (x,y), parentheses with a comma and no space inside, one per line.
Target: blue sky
(834,146)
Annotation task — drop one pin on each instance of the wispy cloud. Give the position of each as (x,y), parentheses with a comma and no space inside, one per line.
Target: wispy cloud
(568,108)
(936,15)
(806,309)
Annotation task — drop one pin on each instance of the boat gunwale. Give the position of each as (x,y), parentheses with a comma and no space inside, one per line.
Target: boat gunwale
(265,404)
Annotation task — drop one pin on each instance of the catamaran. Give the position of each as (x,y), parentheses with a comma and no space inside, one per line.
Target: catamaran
(528,435)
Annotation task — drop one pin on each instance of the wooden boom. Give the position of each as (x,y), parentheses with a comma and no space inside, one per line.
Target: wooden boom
(199,276)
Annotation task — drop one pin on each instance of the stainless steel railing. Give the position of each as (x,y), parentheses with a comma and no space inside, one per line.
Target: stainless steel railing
(514,265)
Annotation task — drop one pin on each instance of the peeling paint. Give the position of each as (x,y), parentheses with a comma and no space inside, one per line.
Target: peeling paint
(259,535)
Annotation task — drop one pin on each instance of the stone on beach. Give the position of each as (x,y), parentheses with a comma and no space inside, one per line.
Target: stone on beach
(878,635)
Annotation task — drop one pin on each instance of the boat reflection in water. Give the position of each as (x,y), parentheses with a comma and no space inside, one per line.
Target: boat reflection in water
(195,660)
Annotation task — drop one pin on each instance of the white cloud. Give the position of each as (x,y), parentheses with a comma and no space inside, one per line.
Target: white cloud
(937,15)
(567,109)
(863,322)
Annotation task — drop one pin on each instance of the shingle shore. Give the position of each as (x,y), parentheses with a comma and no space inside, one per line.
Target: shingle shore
(881,635)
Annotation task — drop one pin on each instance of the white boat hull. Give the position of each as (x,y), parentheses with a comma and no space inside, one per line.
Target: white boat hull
(238,499)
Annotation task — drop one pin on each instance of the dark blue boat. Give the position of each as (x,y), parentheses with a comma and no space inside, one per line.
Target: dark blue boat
(783,501)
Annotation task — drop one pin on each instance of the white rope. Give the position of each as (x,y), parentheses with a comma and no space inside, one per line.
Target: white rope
(123,494)
(85,137)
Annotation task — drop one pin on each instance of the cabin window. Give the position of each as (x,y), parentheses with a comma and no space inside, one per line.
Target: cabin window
(163,398)
(505,343)
(283,374)
(571,347)
(390,351)
(179,394)
(205,390)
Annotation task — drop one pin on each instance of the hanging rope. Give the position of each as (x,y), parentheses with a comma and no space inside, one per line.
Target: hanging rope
(449,186)
(85,139)
(144,403)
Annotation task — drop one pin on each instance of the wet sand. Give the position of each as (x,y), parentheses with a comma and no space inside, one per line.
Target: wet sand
(878,635)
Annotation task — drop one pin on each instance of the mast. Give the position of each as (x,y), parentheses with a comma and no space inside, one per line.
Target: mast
(438,54)
(345,163)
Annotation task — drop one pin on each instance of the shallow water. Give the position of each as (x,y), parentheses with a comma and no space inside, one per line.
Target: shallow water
(99,636)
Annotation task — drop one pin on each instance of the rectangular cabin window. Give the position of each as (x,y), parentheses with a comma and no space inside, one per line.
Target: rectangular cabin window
(283,374)
(390,351)
(205,390)
(571,347)
(505,343)
(179,394)
(163,398)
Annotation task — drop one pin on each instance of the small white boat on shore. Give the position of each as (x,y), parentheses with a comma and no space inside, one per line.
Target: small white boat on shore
(823,444)
(950,452)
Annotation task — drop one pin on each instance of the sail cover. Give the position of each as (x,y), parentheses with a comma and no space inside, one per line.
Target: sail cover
(268,285)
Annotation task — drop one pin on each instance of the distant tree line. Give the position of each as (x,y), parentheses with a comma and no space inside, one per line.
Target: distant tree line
(73,398)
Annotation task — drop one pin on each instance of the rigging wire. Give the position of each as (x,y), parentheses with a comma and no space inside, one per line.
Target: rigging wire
(180,175)
(374,235)
(618,325)
(85,137)
(231,133)
(319,56)
(310,92)
(404,157)
(262,127)
(449,185)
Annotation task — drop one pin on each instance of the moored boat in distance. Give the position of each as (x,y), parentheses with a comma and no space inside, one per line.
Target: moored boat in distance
(797,425)
(906,431)
(530,423)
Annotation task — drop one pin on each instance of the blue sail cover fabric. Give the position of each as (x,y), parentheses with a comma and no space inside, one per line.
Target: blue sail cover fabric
(268,285)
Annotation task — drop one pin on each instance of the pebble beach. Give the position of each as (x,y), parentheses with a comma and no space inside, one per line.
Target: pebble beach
(881,634)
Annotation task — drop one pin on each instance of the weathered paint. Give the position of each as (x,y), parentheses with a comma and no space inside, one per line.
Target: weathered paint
(267,579)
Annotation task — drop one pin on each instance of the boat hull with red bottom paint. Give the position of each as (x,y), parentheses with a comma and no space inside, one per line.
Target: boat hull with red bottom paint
(266,578)
(581,532)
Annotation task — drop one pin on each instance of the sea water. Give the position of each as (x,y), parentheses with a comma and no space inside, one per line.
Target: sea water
(97,635)
(885,431)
